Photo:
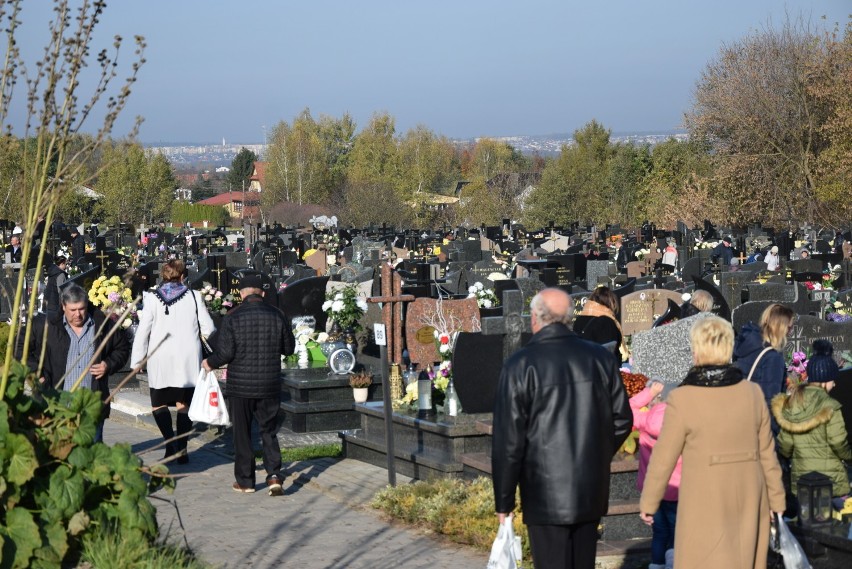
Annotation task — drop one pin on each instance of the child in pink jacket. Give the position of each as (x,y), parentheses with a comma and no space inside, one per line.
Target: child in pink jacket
(649,423)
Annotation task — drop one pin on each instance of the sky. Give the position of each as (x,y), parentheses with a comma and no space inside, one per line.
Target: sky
(464,68)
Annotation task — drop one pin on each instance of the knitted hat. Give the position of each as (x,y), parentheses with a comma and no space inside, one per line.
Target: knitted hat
(821,367)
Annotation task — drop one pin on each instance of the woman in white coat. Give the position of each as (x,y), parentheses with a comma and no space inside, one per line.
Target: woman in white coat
(172,310)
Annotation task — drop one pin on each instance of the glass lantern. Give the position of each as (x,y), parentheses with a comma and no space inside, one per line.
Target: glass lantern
(814,492)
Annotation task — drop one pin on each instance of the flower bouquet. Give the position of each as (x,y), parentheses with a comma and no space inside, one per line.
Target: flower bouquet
(840,312)
(797,371)
(113,298)
(485,297)
(215,300)
(345,307)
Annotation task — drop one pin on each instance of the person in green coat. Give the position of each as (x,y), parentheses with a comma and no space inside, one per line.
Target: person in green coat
(812,430)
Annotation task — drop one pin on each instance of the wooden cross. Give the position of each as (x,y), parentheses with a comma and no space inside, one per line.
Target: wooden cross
(392,300)
(511,325)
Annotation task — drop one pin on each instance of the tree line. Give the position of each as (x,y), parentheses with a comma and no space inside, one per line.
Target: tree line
(769,140)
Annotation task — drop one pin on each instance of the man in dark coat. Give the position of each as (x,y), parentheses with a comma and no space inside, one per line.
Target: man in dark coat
(251,340)
(723,252)
(14,249)
(73,335)
(560,415)
(78,246)
(620,256)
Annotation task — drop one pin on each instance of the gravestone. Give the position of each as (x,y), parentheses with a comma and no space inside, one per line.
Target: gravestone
(731,285)
(529,288)
(672,314)
(578,301)
(8,284)
(806,329)
(425,315)
(305,298)
(318,262)
(480,271)
(476,370)
(774,292)
(665,353)
(804,265)
(635,269)
(640,309)
(594,270)
(720,305)
(692,268)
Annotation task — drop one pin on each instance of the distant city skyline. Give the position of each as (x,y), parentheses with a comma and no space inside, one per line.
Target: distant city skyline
(218,69)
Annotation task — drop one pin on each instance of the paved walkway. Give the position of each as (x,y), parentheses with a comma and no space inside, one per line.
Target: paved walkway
(322,521)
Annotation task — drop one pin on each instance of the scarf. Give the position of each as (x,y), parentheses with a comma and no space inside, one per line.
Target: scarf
(169,293)
(595,309)
(713,376)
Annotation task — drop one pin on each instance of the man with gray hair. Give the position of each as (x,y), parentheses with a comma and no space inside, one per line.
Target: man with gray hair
(73,335)
(560,415)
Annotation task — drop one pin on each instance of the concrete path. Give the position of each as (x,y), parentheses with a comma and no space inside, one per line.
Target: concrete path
(322,521)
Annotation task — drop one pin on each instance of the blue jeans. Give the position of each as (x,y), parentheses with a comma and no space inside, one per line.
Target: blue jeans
(663,531)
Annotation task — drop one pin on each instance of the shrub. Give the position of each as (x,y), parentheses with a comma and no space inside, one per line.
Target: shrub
(461,510)
(56,484)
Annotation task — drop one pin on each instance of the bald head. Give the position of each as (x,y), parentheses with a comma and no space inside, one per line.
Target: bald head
(550,306)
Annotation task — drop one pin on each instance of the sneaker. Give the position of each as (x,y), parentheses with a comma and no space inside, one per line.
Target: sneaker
(242,489)
(273,486)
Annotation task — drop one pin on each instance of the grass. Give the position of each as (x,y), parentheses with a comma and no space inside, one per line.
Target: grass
(463,511)
(109,549)
(330,450)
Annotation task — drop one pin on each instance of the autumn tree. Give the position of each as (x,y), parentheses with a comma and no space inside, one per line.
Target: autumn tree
(374,160)
(136,186)
(574,186)
(831,87)
(753,106)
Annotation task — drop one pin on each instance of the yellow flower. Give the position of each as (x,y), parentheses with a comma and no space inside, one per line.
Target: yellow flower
(115,280)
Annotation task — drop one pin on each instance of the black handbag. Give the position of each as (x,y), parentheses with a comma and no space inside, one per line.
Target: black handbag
(206,350)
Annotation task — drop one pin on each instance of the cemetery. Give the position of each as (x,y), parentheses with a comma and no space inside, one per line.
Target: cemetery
(430,316)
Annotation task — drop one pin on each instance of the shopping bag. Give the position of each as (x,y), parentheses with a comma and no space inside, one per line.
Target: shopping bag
(208,405)
(790,550)
(506,549)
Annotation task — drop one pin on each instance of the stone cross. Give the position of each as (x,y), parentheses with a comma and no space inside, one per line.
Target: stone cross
(511,325)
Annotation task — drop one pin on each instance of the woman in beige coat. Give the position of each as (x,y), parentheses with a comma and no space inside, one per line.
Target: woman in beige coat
(730,480)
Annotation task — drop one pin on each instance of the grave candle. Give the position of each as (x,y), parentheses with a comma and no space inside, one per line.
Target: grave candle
(424,396)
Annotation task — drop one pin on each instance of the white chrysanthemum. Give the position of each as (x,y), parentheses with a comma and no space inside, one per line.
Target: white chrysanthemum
(338,296)
(479,286)
(444,348)
(471,290)
(362,304)
(337,306)
(486,303)
(326,305)
(208,297)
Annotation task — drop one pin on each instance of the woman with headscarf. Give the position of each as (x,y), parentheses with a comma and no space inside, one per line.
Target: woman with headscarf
(730,478)
(172,314)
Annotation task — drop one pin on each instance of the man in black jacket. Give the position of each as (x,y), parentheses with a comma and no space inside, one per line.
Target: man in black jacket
(78,246)
(251,340)
(560,415)
(73,335)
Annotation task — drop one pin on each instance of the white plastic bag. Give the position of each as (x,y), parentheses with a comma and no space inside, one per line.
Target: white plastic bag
(790,550)
(208,405)
(506,550)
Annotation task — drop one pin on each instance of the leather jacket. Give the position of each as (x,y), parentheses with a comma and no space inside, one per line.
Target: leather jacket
(560,415)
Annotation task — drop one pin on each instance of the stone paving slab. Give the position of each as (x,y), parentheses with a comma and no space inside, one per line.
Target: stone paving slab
(321,521)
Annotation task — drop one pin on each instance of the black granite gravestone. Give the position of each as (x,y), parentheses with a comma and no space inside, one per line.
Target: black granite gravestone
(305,298)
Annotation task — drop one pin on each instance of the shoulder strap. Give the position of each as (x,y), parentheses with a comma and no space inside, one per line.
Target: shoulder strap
(754,365)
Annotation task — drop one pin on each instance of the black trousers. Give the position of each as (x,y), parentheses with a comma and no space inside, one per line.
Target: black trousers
(265,412)
(564,547)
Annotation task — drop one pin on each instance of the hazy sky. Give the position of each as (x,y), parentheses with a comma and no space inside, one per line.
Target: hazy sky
(464,68)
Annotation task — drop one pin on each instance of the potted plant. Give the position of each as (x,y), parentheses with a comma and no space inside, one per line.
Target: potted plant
(360,382)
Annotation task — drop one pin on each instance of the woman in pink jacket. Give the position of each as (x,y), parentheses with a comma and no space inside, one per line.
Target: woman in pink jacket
(649,423)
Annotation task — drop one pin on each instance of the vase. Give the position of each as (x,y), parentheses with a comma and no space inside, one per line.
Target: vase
(361,394)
